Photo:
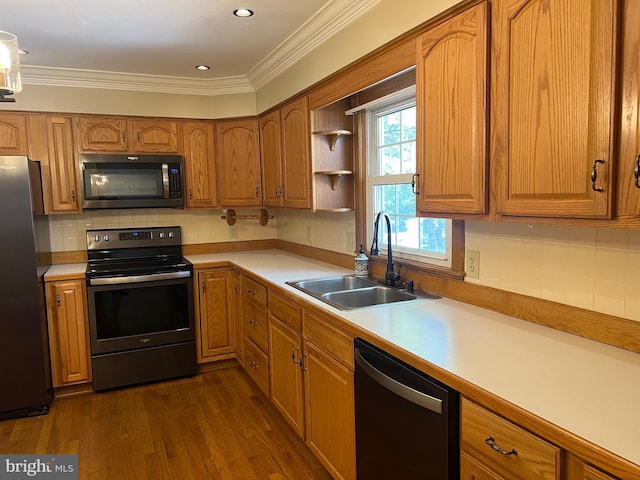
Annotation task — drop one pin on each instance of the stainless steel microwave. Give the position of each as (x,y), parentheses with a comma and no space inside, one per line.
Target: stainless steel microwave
(132,181)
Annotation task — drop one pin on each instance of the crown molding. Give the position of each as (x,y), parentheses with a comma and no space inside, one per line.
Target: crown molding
(68,77)
(329,20)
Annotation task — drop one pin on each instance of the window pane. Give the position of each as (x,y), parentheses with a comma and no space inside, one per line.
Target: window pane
(390,160)
(409,124)
(406,200)
(433,235)
(390,128)
(409,157)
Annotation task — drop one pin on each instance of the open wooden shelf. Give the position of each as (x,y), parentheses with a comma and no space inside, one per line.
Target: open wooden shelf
(334,176)
(333,136)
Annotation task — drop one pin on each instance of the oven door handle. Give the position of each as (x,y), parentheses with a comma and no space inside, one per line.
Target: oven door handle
(139,278)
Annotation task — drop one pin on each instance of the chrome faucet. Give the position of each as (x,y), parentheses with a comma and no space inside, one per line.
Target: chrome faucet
(390,277)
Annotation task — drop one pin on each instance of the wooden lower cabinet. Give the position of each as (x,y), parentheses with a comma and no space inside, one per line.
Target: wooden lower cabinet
(286,374)
(68,332)
(330,414)
(576,469)
(216,310)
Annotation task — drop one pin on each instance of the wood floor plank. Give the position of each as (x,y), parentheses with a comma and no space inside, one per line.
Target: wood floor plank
(216,425)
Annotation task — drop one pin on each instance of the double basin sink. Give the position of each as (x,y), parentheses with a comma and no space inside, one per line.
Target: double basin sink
(351,292)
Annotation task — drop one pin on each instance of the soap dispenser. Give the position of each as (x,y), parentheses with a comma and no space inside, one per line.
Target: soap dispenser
(362,263)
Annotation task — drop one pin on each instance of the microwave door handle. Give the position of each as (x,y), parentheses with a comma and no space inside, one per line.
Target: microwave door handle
(165,180)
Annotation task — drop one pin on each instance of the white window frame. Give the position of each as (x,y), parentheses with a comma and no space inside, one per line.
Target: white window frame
(383,108)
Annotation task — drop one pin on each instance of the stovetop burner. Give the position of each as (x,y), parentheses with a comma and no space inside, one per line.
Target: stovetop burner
(135,252)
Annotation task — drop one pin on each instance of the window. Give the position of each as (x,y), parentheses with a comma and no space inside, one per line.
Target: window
(391,165)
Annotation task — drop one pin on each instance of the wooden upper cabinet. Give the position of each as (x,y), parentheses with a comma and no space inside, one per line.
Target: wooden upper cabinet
(628,160)
(451,96)
(13,134)
(102,134)
(119,134)
(271,155)
(62,165)
(295,154)
(238,166)
(200,165)
(553,106)
(155,136)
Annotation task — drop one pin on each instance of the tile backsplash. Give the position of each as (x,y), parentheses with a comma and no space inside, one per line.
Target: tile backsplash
(68,232)
(591,268)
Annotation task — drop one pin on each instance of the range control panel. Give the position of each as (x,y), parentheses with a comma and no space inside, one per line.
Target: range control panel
(133,237)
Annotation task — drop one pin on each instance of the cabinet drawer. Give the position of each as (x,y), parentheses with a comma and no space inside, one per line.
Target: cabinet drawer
(533,456)
(285,311)
(254,290)
(257,365)
(333,341)
(255,324)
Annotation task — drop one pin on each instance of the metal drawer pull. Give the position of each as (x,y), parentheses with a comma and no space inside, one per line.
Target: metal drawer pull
(492,443)
(253,365)
(594,176)
(253,322)
(251,291)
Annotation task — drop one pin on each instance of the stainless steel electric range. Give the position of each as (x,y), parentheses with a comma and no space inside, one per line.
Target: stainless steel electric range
(140,303)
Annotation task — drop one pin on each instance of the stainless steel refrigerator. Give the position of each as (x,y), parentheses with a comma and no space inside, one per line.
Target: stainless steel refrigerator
(25,372)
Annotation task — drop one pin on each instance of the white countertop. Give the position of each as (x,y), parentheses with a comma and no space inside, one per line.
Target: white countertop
(585,387)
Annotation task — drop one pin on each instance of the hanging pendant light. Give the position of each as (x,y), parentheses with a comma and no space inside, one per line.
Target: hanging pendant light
(10,82)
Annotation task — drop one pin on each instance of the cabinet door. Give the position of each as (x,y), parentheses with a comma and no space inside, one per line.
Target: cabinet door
(553,94)
(451,96)
(102,134)
(200,165)
(238,328)
(238,163)
(271,154)
(295,154)
(473,470)
(330,417)
(67,332)
(62,166)
(628,181)
(286,375)
(13,134)
(216,314)
(154,136)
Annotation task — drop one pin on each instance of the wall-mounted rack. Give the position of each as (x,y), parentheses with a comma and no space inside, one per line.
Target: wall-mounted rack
(231,217)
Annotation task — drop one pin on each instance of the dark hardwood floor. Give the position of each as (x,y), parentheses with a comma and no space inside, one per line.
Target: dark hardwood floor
(216,425)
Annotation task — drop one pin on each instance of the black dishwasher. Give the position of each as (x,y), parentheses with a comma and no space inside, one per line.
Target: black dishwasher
(407,423)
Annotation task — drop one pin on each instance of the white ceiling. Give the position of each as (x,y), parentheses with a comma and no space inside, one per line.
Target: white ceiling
(167,38)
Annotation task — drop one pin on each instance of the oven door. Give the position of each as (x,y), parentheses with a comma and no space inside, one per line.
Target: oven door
(128,316)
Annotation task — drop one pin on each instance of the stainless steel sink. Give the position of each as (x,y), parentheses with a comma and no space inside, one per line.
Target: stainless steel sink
(364,297)
(351,292)
(333,284)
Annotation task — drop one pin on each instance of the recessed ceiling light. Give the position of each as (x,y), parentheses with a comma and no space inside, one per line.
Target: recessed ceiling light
(202,67)
(243,12)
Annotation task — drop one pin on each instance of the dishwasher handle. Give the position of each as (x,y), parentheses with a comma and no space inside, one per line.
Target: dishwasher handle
(421,399)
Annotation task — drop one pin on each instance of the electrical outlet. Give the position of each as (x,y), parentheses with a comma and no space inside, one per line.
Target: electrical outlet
(473,264)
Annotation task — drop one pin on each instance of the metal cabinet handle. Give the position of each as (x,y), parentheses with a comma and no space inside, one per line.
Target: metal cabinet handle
(190,194)
(124,138)
(73,195)
(258,191)
(59,300)
(414,183)
(253,322)
(253,365)
(594,176)
(251,291)
(301,362)
(204,287)
(636,171)
(492,443)
(138,136)
(293,356)
(414,396)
